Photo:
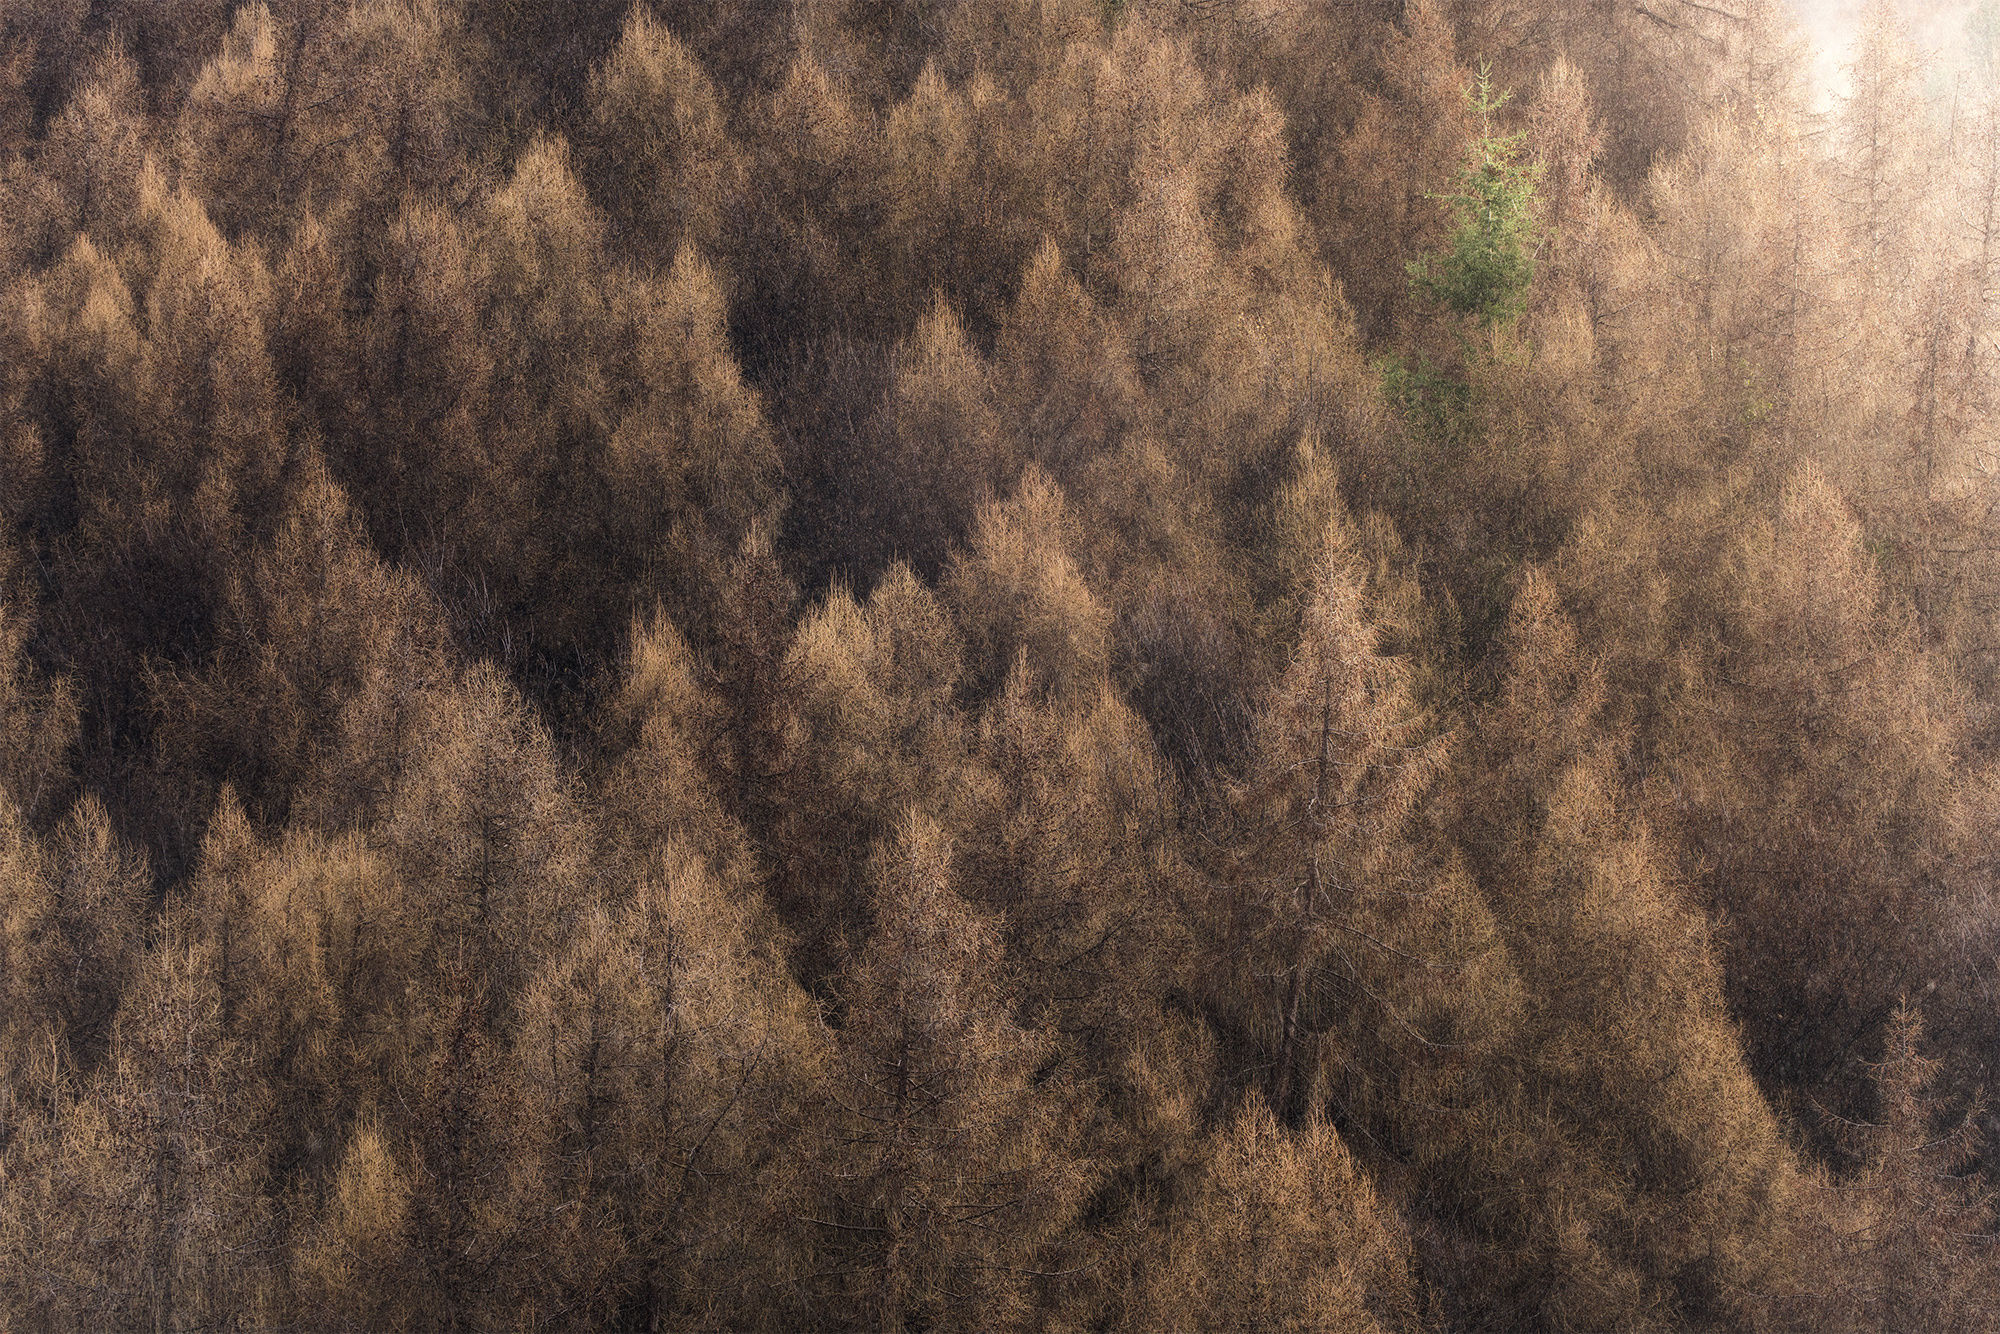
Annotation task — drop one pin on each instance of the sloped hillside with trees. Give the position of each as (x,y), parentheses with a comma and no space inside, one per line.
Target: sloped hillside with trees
(928,665)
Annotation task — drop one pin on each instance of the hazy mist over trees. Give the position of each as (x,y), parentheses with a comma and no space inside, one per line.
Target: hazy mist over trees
(928,665)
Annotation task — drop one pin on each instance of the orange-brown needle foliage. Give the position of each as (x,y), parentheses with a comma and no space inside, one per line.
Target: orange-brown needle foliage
(997,664)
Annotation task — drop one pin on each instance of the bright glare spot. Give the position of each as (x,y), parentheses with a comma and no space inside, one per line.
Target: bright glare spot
(1952,34)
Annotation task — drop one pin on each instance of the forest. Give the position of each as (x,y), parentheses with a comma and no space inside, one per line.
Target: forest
(981,665)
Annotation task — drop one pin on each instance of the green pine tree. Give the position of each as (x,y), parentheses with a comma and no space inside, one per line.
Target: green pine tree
(1490,265)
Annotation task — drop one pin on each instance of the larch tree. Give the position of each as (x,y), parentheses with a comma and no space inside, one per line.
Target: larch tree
(1679,1207)
(1910,1228)
(37,716)
(1019,595)
(1280,1230)
(946,1178)
(690,464)
(662,1067)
(1877,132)
(93,150)
(1064,373)
(72,946)
(1073,851)
(485,823)
(312,940)
(350,1265)
(422,376)
(148,1205)
(665,733)
(173,41)
(658,152)
(145,354)
(873,730)
(409,119)
(942,443)
(36,53)
(1341,754)
(94,927)
(1819,779)
(1376,133)
(263,128)
(813,175)
(304,623)
(542,57)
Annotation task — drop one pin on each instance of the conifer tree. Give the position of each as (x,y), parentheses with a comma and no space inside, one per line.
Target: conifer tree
(1910,1229)
(466,1145)
(98,893)
(661,1067)
(93,149)
(305,622)
(484,823)
(814,175)
(262,128)
(873,732)
(1373,135)
(140,1203)
(1340,759)
(1066,376)
(1618,979)
(37,717)
(409,114)
(148,354)
(1020,596)
(1073,850)
(38,57)
(314,942)
(658,154)
(942,442)
(749,651)
(1818,673)
(543,57)
(1280,1231)
(948,1178)
(690,464)
(31,1036)
(1875,128)
(1689,1182)
(667,729)
(171,40)
(1486,272)
(351,1265)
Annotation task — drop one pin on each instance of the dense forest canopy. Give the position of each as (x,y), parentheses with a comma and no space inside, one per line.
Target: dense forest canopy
(930,665)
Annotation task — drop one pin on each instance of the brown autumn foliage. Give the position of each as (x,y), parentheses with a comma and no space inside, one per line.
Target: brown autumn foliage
(1032,664)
